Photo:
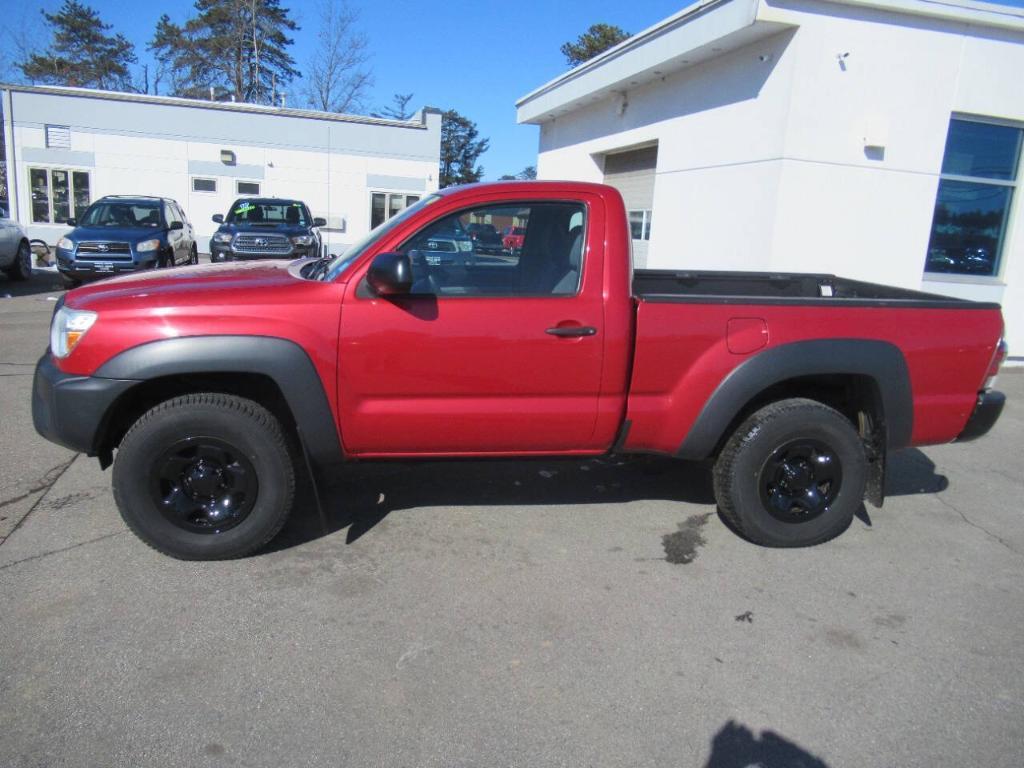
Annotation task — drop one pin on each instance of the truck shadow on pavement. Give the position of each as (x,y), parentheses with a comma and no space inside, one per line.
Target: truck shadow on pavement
(364,494)
(40,282)
(736,746)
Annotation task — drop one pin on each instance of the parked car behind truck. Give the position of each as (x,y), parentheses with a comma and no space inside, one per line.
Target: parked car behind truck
(15,251)
(797,386)
(266,228)
(125,233)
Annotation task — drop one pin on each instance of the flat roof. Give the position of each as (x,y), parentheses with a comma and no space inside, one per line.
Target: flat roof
(706,28)
(418,121)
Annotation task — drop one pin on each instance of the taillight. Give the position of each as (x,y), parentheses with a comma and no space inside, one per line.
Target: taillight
(993,368)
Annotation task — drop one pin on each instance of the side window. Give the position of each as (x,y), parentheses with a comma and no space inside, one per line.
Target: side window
(507,249)
(171,213)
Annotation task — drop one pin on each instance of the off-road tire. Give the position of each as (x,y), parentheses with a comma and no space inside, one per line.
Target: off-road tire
(242,424)
(743,466)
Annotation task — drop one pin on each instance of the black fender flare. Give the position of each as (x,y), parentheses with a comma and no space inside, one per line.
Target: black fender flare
(283,361)
(881,361)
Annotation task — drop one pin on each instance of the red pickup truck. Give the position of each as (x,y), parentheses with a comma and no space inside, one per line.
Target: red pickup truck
(215,384)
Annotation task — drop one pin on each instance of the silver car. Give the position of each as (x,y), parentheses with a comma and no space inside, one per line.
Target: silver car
(15,254)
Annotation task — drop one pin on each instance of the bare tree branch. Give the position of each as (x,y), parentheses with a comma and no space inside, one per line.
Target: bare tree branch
(338,76)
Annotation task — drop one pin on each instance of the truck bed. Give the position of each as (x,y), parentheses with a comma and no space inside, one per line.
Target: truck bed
(709,287)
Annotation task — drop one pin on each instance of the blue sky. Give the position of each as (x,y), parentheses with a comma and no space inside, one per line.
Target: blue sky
(475,57)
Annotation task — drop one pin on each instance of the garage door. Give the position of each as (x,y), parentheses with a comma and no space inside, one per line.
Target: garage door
(632,173)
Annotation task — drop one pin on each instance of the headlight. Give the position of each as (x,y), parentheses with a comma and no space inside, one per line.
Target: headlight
(147,245)
(68,328)
(66,243)
(222,237)
(465,245)
(303,240)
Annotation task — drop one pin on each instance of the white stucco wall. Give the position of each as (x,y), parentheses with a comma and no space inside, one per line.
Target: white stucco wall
(762,161)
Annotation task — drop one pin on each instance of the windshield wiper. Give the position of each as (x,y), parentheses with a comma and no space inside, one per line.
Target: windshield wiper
(318,268)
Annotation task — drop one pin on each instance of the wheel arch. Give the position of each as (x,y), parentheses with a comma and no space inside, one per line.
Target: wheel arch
(865,379)
(276,372)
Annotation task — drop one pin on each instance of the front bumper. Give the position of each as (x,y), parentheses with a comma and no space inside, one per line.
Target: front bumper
(224,252)
(69,265)
(73,410)
(983,418)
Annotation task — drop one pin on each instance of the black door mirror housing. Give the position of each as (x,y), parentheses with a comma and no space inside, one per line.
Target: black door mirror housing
(175,225)
(319,222)
(390,274)
(72,222)
(218,218)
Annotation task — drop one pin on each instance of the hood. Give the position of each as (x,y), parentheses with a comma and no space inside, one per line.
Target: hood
(201,284)
(277,229)
(126,234)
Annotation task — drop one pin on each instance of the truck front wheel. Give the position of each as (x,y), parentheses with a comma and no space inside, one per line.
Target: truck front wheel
(205,477)
(792,475)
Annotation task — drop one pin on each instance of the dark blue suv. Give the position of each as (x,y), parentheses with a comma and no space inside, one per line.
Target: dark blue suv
(119,234)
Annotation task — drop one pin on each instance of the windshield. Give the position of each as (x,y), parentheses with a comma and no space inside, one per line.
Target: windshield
(277,213)
(107,214)
(341,263)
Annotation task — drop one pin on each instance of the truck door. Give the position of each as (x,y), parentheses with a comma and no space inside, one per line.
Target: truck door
(493,352)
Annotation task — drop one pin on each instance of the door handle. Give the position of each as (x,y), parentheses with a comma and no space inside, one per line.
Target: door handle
(569,331)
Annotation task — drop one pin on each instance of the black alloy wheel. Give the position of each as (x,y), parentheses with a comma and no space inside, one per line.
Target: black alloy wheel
(800,480)
(204,485)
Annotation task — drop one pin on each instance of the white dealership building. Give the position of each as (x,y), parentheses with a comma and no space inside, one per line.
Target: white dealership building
(876,139)
(68,146)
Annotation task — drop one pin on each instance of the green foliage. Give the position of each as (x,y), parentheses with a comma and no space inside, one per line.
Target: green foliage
(461,147)
(597,39)
(529,173)
(81,54)
(239,48)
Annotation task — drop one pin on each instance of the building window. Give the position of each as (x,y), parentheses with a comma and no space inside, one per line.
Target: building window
(58,194)
(248,187)
(976,189)
(204,185)
(58,137)
(640,224)
(384,205)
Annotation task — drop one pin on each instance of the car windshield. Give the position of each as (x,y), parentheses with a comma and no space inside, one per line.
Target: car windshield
(341,263)
(278,212)
(121,214)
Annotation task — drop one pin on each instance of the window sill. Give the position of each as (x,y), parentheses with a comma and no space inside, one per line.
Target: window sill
(945,277)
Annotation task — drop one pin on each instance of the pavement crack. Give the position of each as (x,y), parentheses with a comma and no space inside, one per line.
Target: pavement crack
(42,488)
(983,529)
(41,555)
(45,483)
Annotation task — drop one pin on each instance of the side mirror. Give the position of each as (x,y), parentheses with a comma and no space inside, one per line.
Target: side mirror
(72,222)
(175,225)
(390,274)
(218,218)
(319,222)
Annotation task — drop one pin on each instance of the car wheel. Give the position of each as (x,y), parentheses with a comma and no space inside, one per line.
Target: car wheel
(21,268)
(194,258)
(205,477)
(792,475)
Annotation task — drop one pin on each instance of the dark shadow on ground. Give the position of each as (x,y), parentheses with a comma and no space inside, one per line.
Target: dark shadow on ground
(736,746)
(910,471)
(364,494)
(40,282)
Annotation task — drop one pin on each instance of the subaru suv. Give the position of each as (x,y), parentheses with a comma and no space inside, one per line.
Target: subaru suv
(120,233)
(266,228)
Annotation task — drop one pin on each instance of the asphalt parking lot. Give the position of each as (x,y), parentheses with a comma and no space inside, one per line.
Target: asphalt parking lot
(544,613)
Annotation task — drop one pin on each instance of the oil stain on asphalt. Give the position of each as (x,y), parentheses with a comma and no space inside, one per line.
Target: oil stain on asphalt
(681,547)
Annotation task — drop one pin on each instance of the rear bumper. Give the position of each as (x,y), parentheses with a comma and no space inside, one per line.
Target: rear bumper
(983,418)
(71,410)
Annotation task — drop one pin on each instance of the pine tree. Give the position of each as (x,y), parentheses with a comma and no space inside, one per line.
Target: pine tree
(460,149)
(597,39)
(238,48)
(81,54)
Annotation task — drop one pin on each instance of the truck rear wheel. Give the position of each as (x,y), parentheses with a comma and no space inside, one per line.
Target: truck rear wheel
(205,477)
(792,475)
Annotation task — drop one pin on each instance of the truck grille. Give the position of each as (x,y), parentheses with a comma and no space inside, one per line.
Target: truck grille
(103,251)
(446,246)
(271,245)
